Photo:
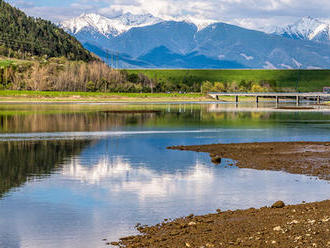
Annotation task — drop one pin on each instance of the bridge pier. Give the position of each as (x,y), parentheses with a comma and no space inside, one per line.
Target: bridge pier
(318,100)
(236,99)
(277,99)
(257,99)
(297,100)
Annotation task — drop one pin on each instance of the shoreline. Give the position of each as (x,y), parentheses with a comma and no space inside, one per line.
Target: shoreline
(148,99)
(307,158)
(16,96)
(302,225)
(314,107)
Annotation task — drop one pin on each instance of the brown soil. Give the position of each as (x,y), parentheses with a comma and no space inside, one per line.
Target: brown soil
(304,225)
(309,158)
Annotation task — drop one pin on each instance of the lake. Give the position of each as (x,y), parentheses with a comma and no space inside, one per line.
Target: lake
(74,174)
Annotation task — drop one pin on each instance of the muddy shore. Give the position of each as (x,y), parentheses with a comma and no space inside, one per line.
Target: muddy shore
(308,158)
(303,225)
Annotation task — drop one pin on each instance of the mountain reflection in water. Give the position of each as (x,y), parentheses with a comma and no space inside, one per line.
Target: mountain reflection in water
(26,160)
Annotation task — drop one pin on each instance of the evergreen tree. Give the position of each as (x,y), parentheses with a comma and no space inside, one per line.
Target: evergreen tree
(23,35)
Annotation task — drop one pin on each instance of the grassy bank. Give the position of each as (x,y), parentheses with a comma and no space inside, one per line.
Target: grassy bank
(63,96)
(57,96)
(308,80)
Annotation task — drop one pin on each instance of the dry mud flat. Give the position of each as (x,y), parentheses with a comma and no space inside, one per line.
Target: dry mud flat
(304,225)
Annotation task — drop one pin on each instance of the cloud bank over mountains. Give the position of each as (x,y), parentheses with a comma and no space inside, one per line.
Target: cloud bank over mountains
(253,14)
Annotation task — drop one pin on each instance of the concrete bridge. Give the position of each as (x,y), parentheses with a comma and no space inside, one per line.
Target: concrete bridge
(316,96)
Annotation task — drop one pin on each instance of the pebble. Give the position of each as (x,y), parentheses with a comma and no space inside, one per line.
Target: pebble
(325,219)
(278,204)
(293,222)
(278,228)
(216,160)
(311,222)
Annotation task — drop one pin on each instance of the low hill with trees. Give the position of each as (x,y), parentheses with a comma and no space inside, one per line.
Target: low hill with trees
(22,36)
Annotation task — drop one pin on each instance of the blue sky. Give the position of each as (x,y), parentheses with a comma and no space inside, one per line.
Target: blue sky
(247,13)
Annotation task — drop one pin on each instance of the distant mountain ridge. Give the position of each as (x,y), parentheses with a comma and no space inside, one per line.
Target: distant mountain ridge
(150,42)
(307,28)
(108,26)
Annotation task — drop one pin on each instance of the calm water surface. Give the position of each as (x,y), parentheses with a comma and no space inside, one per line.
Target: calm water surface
(71,175)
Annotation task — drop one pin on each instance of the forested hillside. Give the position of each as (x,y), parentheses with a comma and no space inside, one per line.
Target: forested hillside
(22,36)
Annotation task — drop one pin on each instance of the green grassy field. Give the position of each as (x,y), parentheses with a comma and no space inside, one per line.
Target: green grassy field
(22,96)
(308,80)
(6,93)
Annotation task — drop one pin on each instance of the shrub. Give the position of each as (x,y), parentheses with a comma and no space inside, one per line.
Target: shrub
(133,78)
(207,86)
(90,86)
(219,87)
(257,88)
(233,87)
(138,88)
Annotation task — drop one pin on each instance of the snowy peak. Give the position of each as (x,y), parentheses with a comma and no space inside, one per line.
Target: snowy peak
(307,28)
(199,23)
(108,26)
(131,20)
(91,21)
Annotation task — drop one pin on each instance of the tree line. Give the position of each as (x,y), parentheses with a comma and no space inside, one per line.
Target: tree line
(61,74)
(242,86)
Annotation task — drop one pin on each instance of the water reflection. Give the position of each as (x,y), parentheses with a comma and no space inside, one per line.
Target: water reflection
(27,160)
(120,175)
(77,192)
(93,118)
(107,187)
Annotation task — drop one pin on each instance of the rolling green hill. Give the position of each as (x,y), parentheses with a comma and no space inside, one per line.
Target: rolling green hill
(308,80)
(22,36)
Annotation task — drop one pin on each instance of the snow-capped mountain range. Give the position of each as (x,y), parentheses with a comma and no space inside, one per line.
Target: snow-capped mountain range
(145,41)
(307,28)
(106,26)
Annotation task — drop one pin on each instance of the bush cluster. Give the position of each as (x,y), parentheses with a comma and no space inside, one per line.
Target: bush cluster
(243,86)
(60,74)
